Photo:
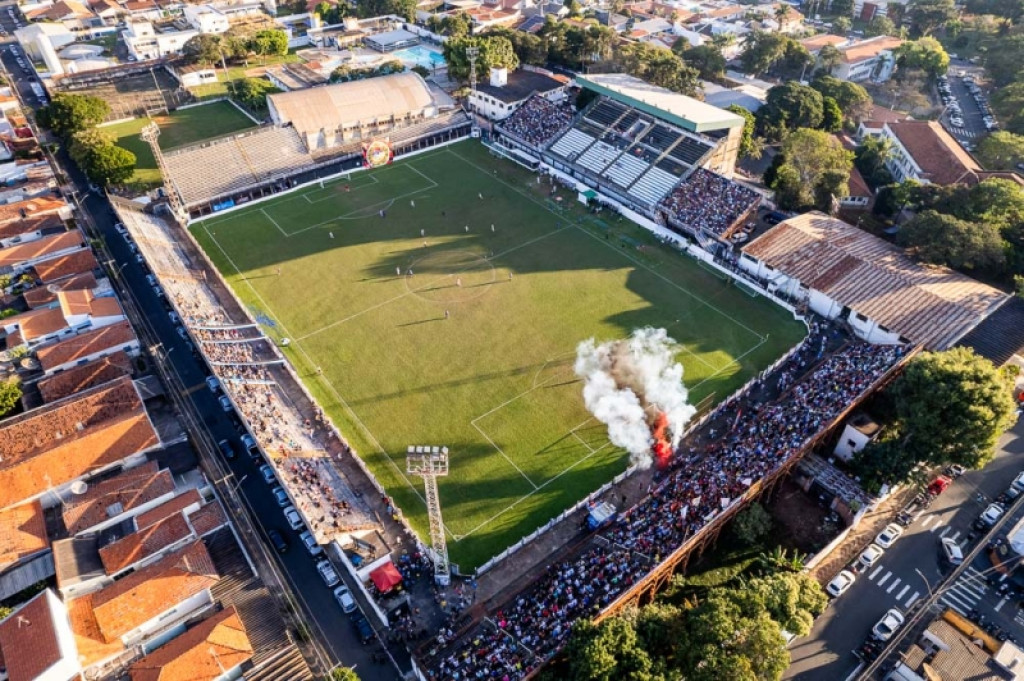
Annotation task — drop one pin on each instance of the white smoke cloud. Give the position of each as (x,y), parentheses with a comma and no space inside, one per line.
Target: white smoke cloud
(628,382)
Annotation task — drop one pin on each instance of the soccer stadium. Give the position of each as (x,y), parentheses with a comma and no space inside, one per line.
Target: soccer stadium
(439,298)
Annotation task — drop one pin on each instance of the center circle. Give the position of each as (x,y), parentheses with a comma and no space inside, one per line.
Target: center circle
(450,276)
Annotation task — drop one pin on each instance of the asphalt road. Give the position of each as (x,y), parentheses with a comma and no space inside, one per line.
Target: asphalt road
(911,569)
(973,128)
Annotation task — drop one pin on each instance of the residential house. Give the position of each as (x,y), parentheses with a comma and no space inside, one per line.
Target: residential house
(870,59)
(113,500)
(144,42)
(25,557)
(206,19)
(37,643)
(87,347)
(29,229)
(214,649)
(84,376)
(142,10)
(46,296)
(56,269)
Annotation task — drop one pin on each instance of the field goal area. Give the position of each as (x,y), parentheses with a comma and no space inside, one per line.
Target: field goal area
(439,301)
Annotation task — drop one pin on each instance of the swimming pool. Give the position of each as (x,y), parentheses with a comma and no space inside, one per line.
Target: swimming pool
(421,55)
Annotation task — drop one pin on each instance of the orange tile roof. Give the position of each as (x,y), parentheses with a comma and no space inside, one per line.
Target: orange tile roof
(37,323)
(30,224)
(816,42)
(144,594)
(107,306)
(41,296)
(65,440)
(22,533)
(111,337)
(208,518)
(72,263)
(857,185)
(41,248)
(168,508)
(29,641)
(79,378)
(143,544)
(31,207)
(92,647)
(868,49)
(200,654)
(940,157)
(75,302)
(125,491)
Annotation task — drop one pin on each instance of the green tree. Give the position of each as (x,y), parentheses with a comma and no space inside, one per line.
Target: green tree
(269,43)
(1003,64)
(344,674)
(762,51)
(787,107)
(829,59)
(841,25)
(842,8)
(942,239)
(926,16)
(832,115)
(880,25)
(607,651)
(952,406)
(793,599)
(67,113)
(1008,105)
(10,394)
(731,636)
(707,59)
(659,66)
(870,159)
(204,48)
(752,524)
(494,52)
(252,92)
(531,49)
(883,462)
(853,100)
(1001,150)
(812,153)
(925,54)
(103,162)
(790,192)
(751,146)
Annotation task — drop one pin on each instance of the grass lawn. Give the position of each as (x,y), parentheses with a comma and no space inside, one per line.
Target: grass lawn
(494,381)
(177,129)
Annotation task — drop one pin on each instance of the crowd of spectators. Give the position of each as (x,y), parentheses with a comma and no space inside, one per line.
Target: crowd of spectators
(708,201)
(696,488)
(319,496)
(538,121)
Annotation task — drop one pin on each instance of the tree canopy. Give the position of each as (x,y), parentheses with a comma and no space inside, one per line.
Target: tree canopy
(494,52)
(787,107)
(10,394)
(815,171)
(880,25)
(1001,150)
(870,158)
(942,239)
(707,59)
(751,146)
(853,100)
(927,16)
(67,113)
(659,66)
(100,159)
(925,54)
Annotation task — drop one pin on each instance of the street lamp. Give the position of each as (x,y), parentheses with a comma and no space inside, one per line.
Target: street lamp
(927,584)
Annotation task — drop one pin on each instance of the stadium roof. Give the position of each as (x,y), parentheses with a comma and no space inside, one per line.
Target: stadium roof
(336,106)
(686,112)
(931,305)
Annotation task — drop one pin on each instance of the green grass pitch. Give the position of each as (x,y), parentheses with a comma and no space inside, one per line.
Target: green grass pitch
(474,350)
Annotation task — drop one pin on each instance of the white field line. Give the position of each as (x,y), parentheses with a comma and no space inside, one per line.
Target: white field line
(502,452)
(329,384)
(371,180)
(272,221)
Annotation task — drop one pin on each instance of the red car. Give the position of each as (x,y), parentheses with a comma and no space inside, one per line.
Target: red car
(939,485)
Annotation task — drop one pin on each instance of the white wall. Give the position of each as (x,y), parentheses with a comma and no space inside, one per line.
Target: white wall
(850,442)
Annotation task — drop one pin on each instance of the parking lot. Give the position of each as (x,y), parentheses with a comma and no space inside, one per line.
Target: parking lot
(966,108)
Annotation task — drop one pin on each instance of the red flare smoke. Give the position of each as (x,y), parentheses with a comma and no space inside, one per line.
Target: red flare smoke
(662,447)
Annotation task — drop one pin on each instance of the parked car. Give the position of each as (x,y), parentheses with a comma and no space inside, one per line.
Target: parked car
(211,381)
(991,514)
(363,628)
(280,496)
(327,572)
(869,557)
(841,583)
(888,625)
(311,544)
(1018,482)
(939,485)
(249,443)
(344,598)
(277,540)
(951,551)
(268,474)
(889,535)
(293,518)
(227,449)
(225,403)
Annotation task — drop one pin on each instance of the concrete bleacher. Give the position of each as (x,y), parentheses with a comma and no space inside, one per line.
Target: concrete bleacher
(598,157)
(654,185)
(232,164)
(572,144)
(625,169)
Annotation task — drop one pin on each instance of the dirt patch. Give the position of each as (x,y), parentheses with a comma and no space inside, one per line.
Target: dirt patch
(800,523)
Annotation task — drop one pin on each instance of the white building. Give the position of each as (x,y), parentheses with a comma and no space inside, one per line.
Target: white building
(41,42)
(505,92)
(842,272)
(870,59)
(924,151)
(206,19)
(144,42)
(860,430)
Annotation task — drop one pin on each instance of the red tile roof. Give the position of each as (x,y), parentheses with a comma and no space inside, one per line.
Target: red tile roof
(22,533)
(112,337)
(31,207)
(30,224)
(65,440)
(36,324)
(41,248)
(208,518)
(29,641)
(146,593)
(868,49)
(92,648)
(124,492)
(200,654)
(65,265)
(143,544)
(940,157)
(168,508)
(41,296)
(84,302)
(79,378)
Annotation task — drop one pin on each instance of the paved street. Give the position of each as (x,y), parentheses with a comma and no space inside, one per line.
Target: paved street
(910,569)
(973,128)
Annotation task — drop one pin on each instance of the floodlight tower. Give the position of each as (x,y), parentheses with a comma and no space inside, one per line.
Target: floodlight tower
(471,54)
(429,463)
(150,134)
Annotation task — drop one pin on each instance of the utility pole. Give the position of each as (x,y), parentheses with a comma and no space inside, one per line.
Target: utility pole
(430,463)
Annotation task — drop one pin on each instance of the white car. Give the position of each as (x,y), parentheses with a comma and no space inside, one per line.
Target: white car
(344,598)
(889,535)
(888,625)
(293,518)
(871,555)
(326,571)
(841,583)
(311,544)
(991,514)
(951,551)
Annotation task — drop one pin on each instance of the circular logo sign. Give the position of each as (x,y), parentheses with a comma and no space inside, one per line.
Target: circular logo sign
(378,153)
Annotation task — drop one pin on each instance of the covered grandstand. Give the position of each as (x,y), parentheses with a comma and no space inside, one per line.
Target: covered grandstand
(657,152)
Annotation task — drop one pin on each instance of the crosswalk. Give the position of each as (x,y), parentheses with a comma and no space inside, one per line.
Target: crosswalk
(903,592)
(966,591)
(963,133)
